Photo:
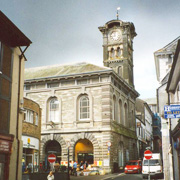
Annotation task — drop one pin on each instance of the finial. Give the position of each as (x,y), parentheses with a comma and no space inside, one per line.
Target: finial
(118,13)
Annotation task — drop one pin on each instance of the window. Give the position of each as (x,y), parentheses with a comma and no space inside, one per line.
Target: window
(120,71)
(114,108)
(36,119)
(125,114)
(52,85)
(54,110)
(27,87)
(120,112)
(118,52)
(83,81)
(29,116)
(84,107)
(112,53)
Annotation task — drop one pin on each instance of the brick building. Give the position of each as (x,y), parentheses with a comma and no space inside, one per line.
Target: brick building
(11,95)
(31,133)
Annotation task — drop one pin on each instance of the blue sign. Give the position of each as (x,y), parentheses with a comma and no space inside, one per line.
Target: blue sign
(172,111)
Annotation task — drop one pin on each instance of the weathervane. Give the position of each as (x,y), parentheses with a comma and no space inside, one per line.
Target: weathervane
(118,13)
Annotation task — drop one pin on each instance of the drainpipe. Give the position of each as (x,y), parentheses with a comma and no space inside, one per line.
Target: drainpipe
(18,102)
(170,139)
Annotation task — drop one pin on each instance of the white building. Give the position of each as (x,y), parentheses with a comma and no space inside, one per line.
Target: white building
(163,62)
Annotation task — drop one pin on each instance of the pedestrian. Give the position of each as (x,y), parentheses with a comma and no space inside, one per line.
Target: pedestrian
(74,168)
(86,164)
(50,176)
(81,166)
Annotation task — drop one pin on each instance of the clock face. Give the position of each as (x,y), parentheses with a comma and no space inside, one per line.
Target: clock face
(115,35)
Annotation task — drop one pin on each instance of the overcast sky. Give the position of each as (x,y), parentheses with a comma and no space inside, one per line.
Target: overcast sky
(66,31)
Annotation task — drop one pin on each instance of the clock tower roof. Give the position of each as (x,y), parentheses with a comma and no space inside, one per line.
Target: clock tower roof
(118,23)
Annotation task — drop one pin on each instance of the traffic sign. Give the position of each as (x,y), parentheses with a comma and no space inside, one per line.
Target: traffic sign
(148,154)
(52,158)
(108,143)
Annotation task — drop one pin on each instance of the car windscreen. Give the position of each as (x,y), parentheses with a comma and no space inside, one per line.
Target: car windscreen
(152,162)
(132,163)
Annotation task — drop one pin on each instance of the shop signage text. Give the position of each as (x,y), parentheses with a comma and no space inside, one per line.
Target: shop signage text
(5,146)
(172,111)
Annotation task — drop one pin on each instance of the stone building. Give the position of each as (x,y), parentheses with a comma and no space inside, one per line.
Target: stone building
(88,107)
(12,60)
(31,133)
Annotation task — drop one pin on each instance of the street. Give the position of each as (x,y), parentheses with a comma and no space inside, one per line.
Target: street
(116,176)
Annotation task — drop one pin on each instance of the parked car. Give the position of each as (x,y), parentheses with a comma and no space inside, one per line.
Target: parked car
(134,166)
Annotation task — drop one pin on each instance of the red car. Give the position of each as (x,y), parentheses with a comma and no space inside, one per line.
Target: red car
(134,166)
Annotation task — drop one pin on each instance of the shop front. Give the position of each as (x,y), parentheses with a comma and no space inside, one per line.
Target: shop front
(30,159)
(5,153)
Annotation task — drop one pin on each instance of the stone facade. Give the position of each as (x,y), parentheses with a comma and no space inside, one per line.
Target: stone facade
(101,127)
(88,102)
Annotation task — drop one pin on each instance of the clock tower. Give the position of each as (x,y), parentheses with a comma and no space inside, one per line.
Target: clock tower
(118,48)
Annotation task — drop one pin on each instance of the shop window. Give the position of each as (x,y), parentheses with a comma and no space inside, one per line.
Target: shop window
(84,108)
(29,116)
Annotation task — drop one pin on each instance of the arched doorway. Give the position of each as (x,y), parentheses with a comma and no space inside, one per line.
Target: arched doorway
(84,151)
(121,154)
(52,147)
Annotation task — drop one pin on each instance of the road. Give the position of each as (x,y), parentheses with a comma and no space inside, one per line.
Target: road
(121,176)
(116,176)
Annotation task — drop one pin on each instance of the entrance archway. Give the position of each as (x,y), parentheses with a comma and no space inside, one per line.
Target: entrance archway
(84,151)
(53,147)
(121,154)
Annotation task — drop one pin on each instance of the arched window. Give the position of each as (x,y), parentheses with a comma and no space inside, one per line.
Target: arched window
(125,115)
(120,112)
(112,53)
(84,108)
(114,108)
(120,70)
(53,110)
(118,52)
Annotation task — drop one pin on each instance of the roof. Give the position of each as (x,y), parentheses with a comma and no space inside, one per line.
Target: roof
(150,101)
(174,76)
(10,34)
(62,70)
(169,47)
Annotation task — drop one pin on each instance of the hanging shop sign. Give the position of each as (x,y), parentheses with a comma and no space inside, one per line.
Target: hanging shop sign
(30,142)
(172,111)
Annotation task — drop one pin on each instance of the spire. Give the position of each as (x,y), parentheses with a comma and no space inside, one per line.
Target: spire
(118,13)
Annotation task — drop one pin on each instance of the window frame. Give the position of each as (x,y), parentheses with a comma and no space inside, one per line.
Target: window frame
(56,118)
(88,108)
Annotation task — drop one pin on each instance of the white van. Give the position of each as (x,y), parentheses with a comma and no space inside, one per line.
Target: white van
(155,167)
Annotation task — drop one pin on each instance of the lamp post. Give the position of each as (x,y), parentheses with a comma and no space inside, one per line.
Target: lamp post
(68,143)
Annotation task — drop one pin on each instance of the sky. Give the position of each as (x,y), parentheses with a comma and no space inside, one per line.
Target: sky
(66,31)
